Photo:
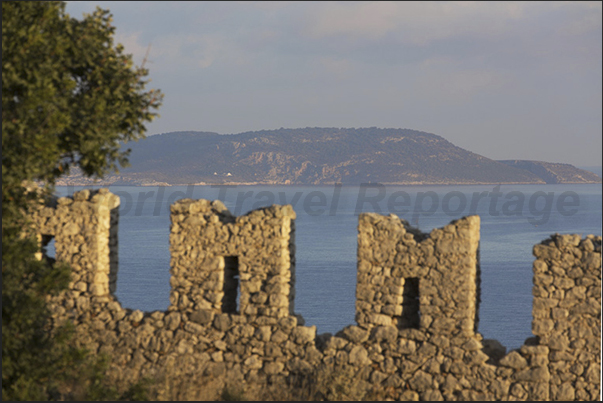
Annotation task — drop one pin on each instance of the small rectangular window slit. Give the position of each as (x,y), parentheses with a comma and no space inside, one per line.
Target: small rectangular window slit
(411,315)
(230,302)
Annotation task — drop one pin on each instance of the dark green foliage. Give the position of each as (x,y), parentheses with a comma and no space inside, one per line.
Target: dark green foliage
(69,97)
(28,353)
(68,94)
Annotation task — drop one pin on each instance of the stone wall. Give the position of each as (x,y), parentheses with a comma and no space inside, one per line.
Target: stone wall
(567,313)
(231,310)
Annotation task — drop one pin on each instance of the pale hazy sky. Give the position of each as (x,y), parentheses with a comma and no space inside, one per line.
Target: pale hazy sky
(507,80)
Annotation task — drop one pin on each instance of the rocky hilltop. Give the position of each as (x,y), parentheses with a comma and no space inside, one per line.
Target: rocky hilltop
(319,156)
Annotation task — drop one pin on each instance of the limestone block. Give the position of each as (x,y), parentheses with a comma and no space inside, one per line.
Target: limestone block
(538,374)
(406,346)
(410,396)
(378,319)
(377,377)
(421,381)
(356,334)
(558,342)
(273,367)
(278,300)
(442,325)
(546,252)
(263,333)
(434,395)
(542,326)
(336,343)
(472,345)
(476,357)
(202,316)
(303,335)
(194,328)
(386,334)
(172,320)
(358,356)
(593,373)
(222,322)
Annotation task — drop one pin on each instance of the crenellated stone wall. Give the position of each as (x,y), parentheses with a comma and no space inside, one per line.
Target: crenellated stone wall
(567,313)
(231,310)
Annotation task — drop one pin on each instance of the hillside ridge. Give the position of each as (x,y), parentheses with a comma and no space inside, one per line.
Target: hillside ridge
(323,156)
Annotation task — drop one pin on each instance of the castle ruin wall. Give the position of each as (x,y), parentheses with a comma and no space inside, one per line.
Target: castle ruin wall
(232,313)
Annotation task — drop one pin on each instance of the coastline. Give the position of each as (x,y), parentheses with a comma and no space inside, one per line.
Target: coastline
(274,183)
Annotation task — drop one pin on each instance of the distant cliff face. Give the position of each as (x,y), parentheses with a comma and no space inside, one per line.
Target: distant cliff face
(554,172)
(313,156)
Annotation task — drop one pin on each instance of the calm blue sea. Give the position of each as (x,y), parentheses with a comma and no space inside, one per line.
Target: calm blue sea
(514,218)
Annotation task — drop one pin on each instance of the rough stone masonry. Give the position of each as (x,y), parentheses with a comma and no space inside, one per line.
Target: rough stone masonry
(416,308)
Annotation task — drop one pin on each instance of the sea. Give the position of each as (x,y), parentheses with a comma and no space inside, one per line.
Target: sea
(513,219)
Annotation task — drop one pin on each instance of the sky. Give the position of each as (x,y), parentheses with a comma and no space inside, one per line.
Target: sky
(507,80)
